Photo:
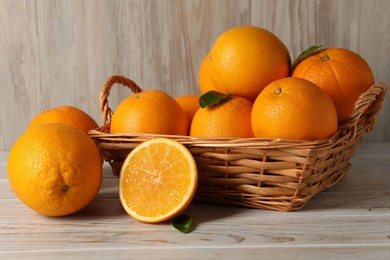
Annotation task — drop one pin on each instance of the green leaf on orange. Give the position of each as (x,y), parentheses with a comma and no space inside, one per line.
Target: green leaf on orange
(306,53)
(211,98)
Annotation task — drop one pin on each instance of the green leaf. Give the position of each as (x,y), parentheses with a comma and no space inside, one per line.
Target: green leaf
(183,223)
(306,53)
(212,97)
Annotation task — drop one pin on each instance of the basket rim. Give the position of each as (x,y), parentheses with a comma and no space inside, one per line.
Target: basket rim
(208,141)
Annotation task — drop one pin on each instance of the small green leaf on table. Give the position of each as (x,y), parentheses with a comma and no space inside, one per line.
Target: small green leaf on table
(183,223)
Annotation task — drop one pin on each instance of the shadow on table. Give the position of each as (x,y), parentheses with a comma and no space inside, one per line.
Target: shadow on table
(202,212)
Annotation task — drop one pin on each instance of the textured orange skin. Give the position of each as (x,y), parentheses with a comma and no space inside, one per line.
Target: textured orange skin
(294,108)
(55,169)
(150,111)
(342,74)
(205,82)
(245,59)
(190,104)
(229,119)
(69,115)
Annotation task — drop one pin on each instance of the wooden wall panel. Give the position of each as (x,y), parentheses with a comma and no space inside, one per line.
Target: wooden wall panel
(55,52)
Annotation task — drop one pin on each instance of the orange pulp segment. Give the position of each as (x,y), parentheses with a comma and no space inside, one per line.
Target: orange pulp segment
(158,180)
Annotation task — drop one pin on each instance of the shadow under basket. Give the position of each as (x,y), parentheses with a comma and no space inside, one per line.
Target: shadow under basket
(276,174)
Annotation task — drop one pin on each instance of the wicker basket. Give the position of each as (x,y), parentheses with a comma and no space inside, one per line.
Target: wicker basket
(275,174)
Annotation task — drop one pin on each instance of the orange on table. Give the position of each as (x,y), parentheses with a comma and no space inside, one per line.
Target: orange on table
(69,115)
(294,108)
(245,59)
(342,74)
(231,118)
(158,180)
(150,111)
(205,82)
(55,169)
(190,104)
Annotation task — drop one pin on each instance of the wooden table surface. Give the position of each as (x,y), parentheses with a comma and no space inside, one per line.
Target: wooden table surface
(350,220)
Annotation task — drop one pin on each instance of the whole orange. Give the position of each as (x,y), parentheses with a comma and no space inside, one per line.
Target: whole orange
(69,115)
(190,104)
(205,82)
(245,59)
(150,111)
(342,74)
(294,108)
(231,118)
(55,169)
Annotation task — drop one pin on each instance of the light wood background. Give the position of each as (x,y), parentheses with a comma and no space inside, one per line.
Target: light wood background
(56,52)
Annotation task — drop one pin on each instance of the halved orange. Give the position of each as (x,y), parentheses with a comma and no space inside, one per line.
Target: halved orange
(158,180)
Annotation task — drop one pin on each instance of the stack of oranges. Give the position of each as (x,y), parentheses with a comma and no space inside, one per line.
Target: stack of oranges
(259,92)
(307,100)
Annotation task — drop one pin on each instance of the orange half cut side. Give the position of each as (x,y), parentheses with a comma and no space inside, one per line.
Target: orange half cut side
(158,180)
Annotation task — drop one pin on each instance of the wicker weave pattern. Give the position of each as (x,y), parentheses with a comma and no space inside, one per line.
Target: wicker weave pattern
(275,174)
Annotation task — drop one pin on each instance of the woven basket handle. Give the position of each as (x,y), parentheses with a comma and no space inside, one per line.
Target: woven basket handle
(105,92)
(366,108)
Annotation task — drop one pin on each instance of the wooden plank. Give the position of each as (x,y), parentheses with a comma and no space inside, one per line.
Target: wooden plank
(297,252)
(349,221)
(56,52)
(110,227)
(378,252)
